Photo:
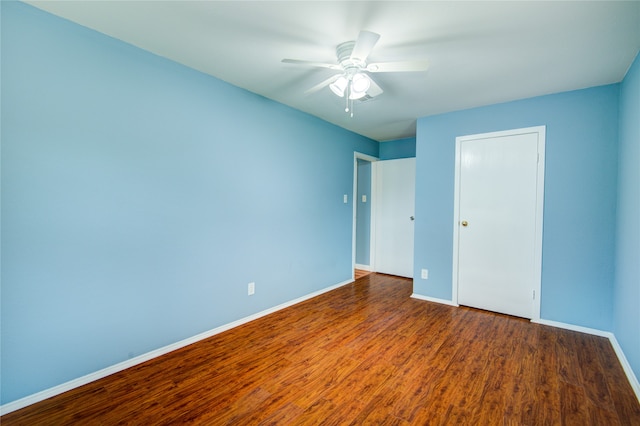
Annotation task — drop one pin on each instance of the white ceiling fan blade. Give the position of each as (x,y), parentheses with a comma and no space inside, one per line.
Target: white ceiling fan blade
(374,89)
(399,66)
(364,45)
(312,64)
(323,84)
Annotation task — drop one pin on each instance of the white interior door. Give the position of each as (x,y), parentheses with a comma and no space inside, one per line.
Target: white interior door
(499,221)
(394,210)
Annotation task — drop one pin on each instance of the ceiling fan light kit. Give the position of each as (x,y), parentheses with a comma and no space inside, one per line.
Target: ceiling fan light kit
(357,85)
(353,80)
(360,83)
(339,86)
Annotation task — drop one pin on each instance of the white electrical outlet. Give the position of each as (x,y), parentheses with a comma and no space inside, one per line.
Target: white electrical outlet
(251,288)
(364,198)
(424,274)
(345,198)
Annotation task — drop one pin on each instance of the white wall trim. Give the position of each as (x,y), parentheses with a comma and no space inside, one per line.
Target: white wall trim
(434,299)
(572,327)
(633,380)
(80,381)
(75,383)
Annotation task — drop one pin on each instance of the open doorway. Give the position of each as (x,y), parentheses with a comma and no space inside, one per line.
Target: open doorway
(363,189)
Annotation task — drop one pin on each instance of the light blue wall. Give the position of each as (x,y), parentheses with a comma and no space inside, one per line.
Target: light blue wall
(626,304)
(363,214)
(580,198)
(139,197)
(399,148)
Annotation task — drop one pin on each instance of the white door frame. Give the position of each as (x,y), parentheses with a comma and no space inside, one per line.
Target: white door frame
(360,156)
(537,279)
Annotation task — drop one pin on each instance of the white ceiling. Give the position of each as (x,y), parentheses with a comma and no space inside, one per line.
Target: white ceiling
(480,52)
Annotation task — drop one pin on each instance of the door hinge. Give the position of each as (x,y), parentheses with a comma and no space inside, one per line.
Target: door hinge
(534,295)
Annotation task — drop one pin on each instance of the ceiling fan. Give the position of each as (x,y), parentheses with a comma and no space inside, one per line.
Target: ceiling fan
(353,81)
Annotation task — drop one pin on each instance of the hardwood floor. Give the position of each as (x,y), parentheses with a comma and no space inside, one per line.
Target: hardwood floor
(359,273)
(365,353)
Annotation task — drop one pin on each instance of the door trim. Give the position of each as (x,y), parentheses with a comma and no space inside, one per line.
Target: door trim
(541,132)
(369,158)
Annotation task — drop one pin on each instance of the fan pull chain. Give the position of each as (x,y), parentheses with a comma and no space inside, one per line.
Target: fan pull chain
(349,108)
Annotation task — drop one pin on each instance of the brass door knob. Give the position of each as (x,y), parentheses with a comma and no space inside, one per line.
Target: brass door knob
(465,223)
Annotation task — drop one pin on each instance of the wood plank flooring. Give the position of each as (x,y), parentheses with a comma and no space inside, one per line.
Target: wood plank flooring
(359,273)
(365,353)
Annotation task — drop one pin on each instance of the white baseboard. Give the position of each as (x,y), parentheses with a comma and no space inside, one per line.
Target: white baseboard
(72,384)
(80,381)
(434,299)
(572,327)
(364,267)
(633,380)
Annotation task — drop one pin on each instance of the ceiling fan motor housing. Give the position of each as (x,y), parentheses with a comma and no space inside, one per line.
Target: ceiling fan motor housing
(350,65)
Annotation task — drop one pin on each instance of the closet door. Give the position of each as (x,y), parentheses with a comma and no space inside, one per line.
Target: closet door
(497,252)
